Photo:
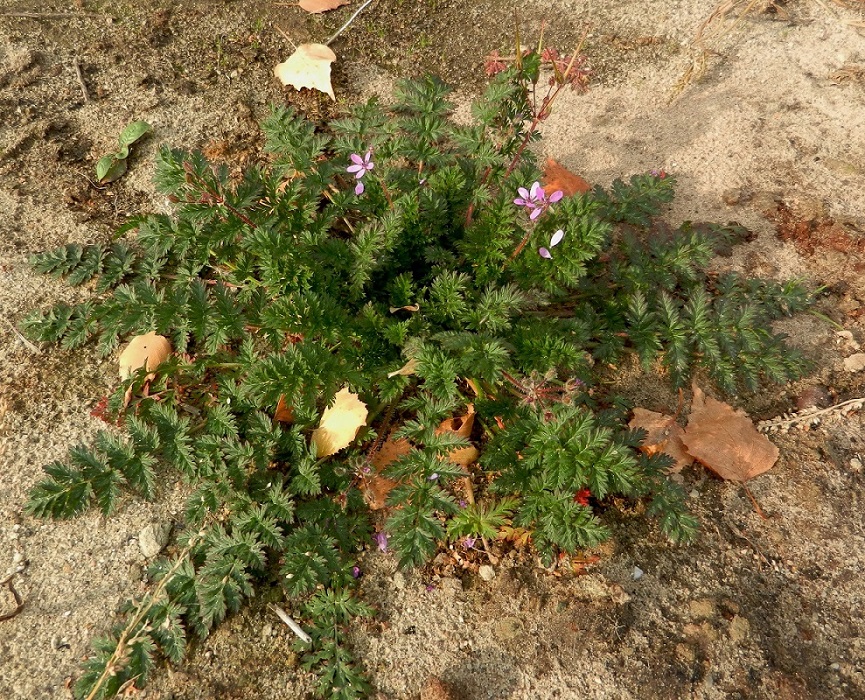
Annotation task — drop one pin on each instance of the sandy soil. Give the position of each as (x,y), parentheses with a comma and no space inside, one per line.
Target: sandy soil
(772,136)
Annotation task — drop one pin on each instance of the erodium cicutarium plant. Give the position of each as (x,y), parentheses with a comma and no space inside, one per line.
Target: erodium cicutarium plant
(420,267)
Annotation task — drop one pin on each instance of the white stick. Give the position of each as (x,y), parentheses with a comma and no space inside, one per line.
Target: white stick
(30,346)
(345,26)
(292,625)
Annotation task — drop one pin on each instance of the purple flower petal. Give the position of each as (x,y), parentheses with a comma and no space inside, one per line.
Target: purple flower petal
(354,169)
(556,196)
(523,192)
(557,238)
(537,192)
(433,476)
(544,253)
(356,159)
(520,202)
(358,188)
(535,213)
(381,539)
(355,572)
(370,166)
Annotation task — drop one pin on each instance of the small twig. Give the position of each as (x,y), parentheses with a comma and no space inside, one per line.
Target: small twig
(50,15)
(80,76)
(292,625)
(30,346)
(345,26)
(19,601)
(285,36)
(111,666)
(736,531)
(782,422)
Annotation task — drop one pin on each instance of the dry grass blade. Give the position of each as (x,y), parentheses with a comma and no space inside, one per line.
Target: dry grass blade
(709,34)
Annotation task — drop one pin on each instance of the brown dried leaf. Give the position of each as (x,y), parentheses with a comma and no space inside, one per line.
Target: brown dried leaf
(148,350)
(283,413)
(318,6)
(308,67)
(376,487)
(462,426)
(558,177)
(664,435)
(339,424)
(726,441)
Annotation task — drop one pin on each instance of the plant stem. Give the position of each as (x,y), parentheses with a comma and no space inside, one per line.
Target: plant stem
(143,609)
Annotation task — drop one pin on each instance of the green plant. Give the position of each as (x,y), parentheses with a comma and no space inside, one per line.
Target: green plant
(112,166)
(291,283)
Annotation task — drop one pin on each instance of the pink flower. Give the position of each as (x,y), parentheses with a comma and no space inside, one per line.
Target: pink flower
(554,241)
(381,539)
(536,199)
(360,167)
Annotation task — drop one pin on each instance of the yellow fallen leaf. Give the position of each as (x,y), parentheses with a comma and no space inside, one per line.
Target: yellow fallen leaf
(148,351)
(339,424)
(318,6)
(308,67)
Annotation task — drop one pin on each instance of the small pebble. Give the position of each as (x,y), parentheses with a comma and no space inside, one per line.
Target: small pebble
(836,666)
(637,573)
(855,363)
(735,195)
(486,572)
(856,464)
(153,538)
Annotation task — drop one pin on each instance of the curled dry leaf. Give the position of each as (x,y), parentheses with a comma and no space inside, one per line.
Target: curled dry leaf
(462,426)
(664,435)
(148,351)
(406,370)
(283,413)
(308,67)
(376,487)
(339,424)
(558,177)
(726,441)
(318,6)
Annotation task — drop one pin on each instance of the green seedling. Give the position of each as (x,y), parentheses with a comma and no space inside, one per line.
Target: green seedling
(112,166)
